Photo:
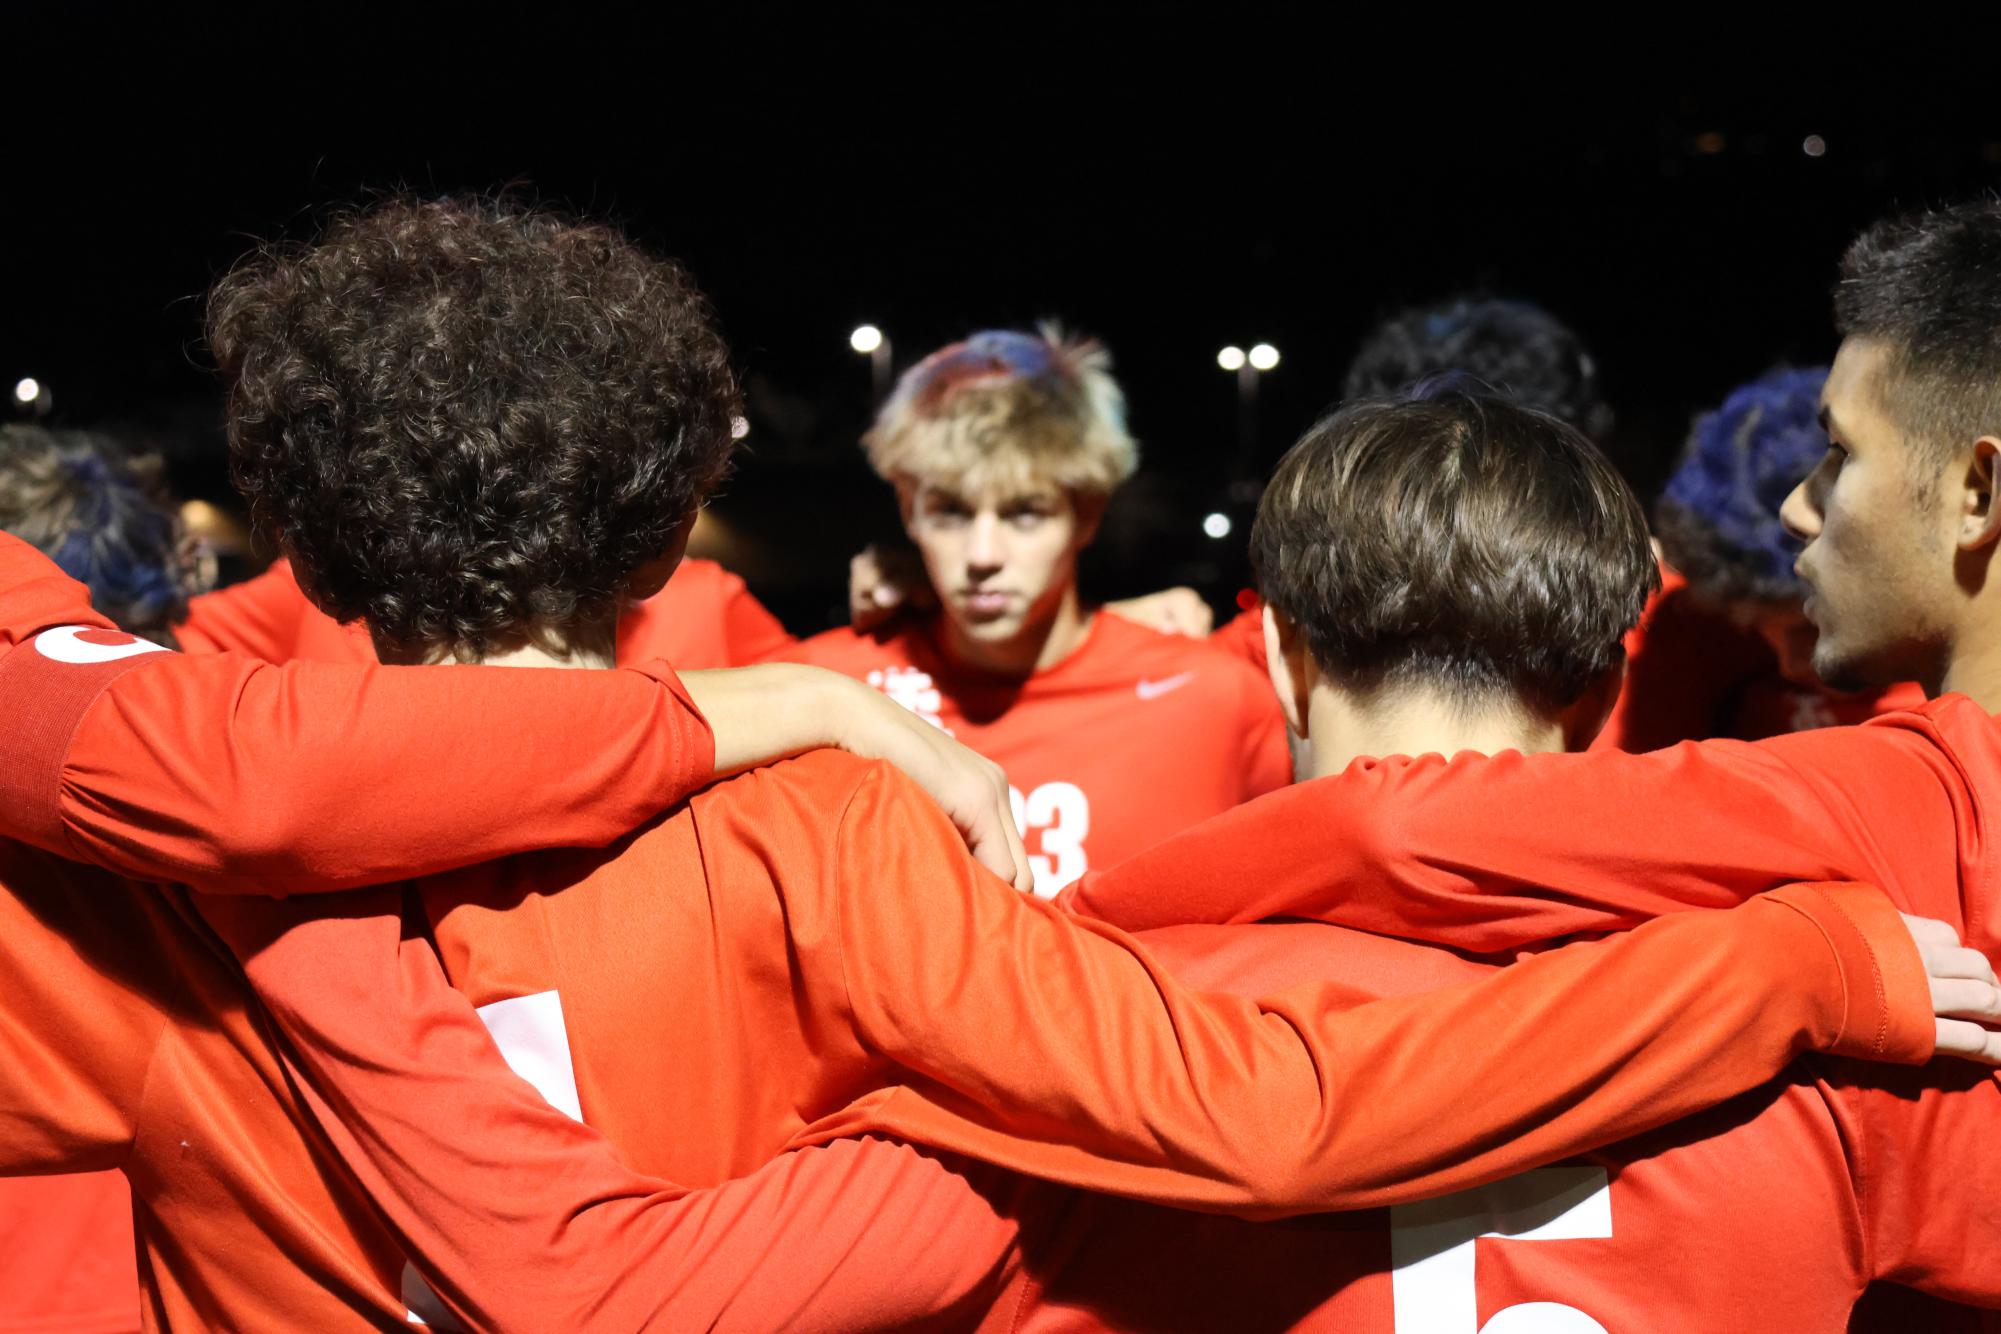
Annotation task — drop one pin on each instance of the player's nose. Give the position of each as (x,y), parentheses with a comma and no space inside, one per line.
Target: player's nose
(985,545)
(1800,514)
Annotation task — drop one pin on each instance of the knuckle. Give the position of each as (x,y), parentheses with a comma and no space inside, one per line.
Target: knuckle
(1932,931)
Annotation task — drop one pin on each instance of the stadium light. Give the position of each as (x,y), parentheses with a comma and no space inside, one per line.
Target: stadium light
(1217,525)
(27,389)
(1247,367)
(873,343)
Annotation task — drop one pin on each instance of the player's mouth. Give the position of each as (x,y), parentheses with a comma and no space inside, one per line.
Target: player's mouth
(986,603)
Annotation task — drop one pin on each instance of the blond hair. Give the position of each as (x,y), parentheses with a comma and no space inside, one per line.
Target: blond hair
(1008,407)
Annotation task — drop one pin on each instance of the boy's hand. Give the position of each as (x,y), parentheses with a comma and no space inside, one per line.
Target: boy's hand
(1965,994)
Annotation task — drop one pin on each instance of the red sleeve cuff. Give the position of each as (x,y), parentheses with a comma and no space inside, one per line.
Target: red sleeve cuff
(1887,1008)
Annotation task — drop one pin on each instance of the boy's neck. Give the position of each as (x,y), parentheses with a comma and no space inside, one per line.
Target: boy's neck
(1973,669)
(1345,727)
(534,655)
(597,653)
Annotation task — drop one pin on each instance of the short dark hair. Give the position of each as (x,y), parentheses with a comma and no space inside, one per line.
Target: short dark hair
(1515,346)
(102,515)
(1459,541)
(1928,285)
(468,421)
(1718,520)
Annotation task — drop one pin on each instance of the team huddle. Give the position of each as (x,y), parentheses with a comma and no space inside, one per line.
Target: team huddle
(1515,921)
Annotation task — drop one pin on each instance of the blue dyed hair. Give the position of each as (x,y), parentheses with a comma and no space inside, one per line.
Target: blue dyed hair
(1718,519)
(1514,348)
(100,516)
(998,351)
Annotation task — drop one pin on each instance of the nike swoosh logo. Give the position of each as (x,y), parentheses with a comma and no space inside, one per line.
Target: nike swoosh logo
(1155,689)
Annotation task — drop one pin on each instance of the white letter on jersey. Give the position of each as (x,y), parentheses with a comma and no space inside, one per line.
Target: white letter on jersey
(532,1039)
(63,645)
(1432,1249)
(1063,813)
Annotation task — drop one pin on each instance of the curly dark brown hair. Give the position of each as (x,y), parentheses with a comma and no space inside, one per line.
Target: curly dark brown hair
(469,422)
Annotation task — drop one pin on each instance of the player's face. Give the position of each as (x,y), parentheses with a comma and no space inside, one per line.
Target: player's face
(1878,529)
(1001,556)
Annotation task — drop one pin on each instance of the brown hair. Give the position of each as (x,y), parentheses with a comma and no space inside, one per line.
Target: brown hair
(1928,285)
(1458,542)
(470,422)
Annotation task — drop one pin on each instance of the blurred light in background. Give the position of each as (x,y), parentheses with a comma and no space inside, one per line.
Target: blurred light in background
(1231,358)
(27,389)
(1814,146)
(866,338)
(1263,357)
(1217,525)
(739,427)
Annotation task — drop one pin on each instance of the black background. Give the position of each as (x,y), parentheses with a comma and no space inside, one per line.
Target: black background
(1169,178)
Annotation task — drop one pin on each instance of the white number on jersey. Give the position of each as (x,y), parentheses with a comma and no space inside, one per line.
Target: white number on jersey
(1432,1250)
(1062,813)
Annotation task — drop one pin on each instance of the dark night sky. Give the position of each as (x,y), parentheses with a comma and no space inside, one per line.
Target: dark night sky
(1169,178)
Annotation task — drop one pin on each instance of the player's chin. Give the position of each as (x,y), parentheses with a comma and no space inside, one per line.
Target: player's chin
(1843,667)
(999,630)
(989,623)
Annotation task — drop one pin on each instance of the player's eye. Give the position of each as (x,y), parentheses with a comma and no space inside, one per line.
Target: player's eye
(1027,513)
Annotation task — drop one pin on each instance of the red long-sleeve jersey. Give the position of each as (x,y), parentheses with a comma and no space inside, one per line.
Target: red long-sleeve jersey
(243,776)
(1772,1211)
(128,1040)
(1494,853)
(1132,737)
(881,939)
(505,1215)
(1159,1103)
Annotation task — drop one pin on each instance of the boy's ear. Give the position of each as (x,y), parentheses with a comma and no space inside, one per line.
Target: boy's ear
(1290,668)
(1586,718)
(1980,517)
